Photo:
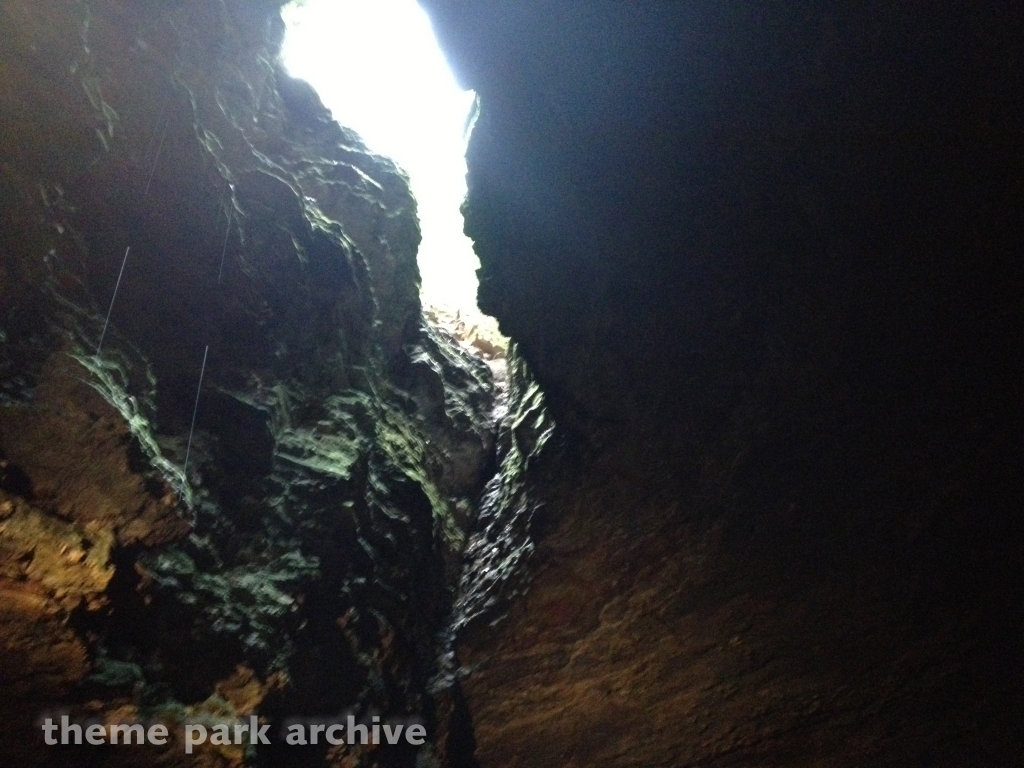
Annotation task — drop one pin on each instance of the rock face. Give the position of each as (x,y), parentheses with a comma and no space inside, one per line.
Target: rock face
(762,267)
(299,556)
(765,262)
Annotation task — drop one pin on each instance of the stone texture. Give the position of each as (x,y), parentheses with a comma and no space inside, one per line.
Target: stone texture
(305,561)
(764,262)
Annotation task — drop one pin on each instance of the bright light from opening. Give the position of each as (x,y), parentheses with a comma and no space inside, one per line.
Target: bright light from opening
(377,66)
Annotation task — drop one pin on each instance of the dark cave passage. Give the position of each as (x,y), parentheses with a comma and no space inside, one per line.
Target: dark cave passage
(742,490)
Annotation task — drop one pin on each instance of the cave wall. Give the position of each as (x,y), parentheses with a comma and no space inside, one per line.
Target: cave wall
(765,261)
(299,556)
(762,266)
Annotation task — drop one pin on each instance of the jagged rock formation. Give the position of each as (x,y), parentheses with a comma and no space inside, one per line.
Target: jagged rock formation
(305,562)
(765,261)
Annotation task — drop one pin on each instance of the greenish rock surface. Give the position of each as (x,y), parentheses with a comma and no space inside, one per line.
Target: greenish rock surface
(313,542)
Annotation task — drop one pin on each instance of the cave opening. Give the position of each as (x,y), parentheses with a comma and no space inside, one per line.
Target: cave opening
(377,66)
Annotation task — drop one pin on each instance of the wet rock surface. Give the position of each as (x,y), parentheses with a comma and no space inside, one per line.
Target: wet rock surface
(761,268)
(764,262)
(305,561)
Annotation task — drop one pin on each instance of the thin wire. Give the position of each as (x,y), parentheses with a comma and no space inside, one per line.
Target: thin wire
(156,160)
(195,410)
(112,300)
(224,248)
(152,139)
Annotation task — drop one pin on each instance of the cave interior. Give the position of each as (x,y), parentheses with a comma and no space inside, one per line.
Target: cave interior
(740,486)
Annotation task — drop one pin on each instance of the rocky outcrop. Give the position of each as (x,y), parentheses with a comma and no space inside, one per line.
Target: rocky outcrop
(764,262)
(297,555)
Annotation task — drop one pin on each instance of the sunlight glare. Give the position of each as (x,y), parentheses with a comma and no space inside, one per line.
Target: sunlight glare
(377,66)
